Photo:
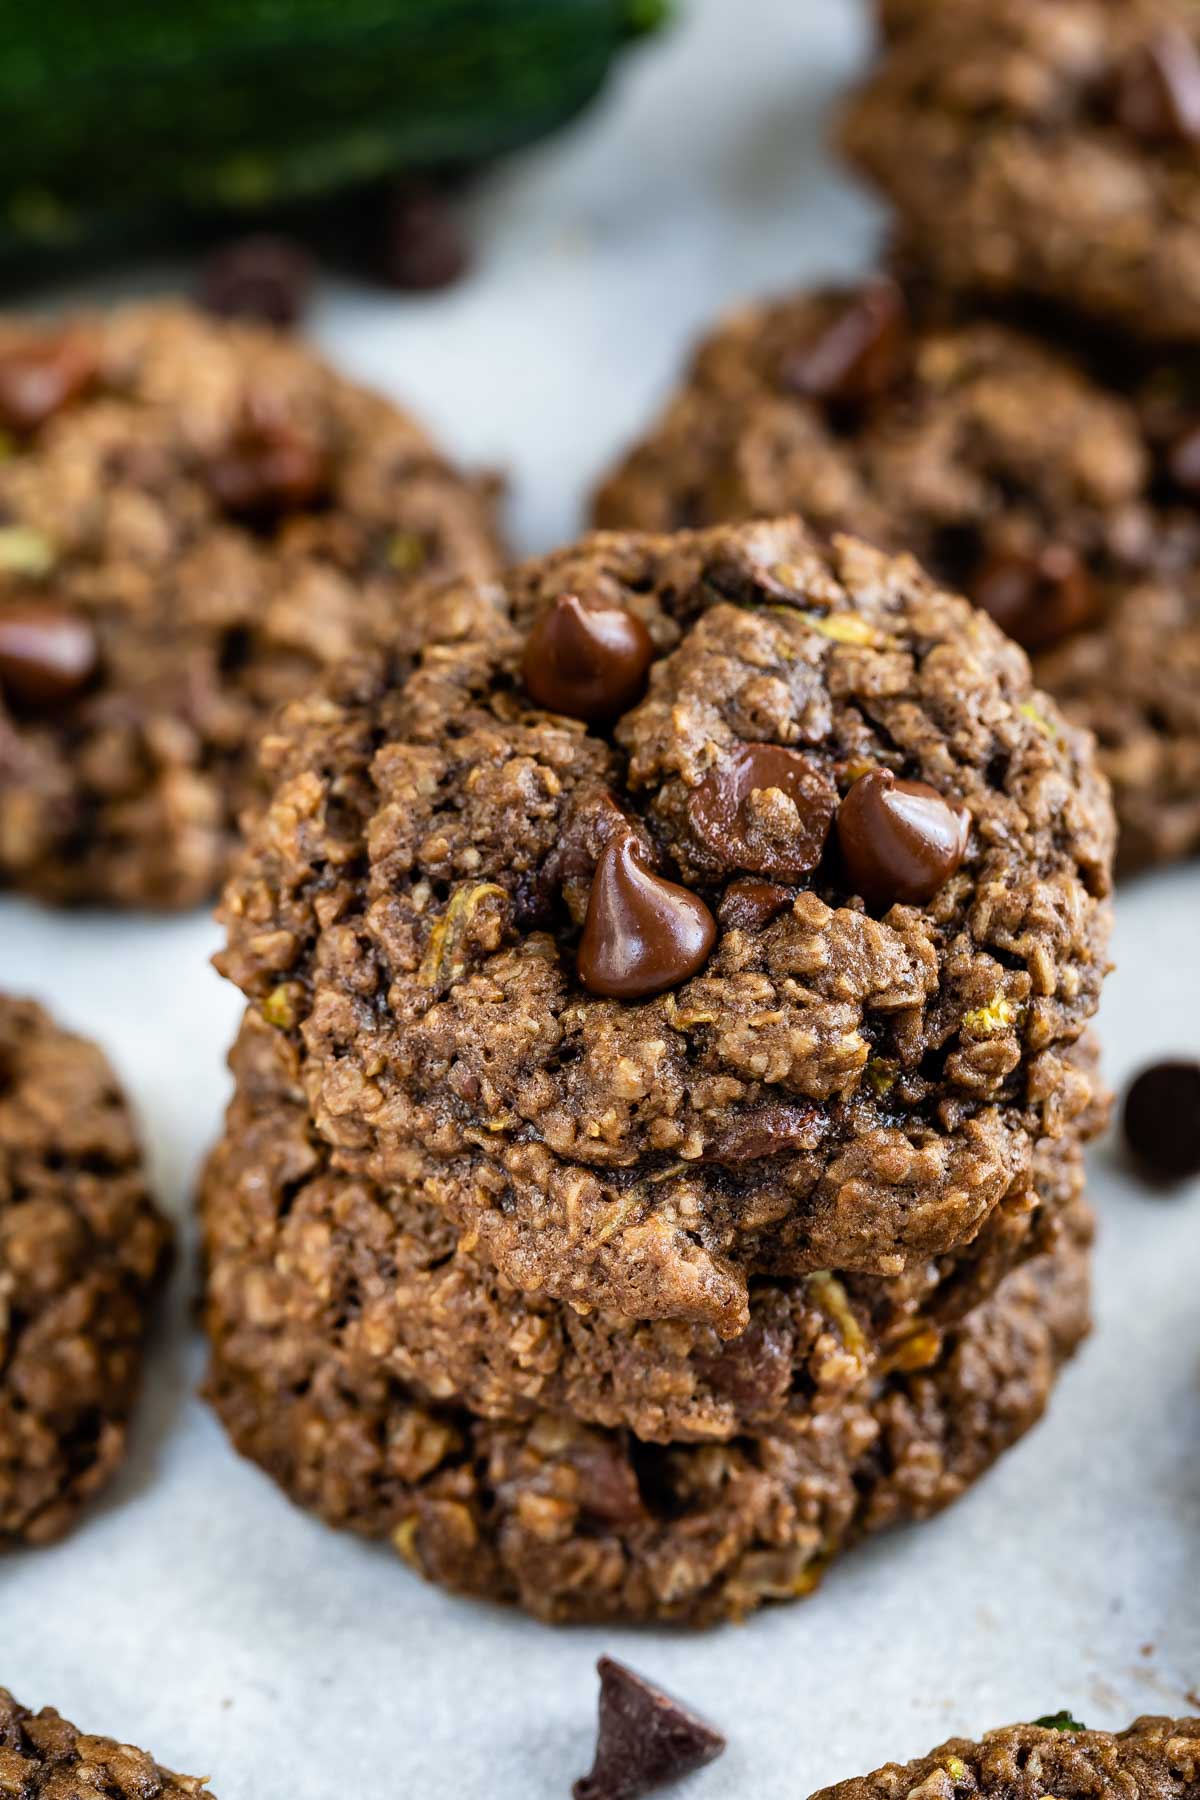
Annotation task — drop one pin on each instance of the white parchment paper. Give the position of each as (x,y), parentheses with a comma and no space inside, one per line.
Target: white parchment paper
(196,1612)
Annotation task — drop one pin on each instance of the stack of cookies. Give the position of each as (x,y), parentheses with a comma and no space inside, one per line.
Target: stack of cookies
(1021,405)
(655,1154)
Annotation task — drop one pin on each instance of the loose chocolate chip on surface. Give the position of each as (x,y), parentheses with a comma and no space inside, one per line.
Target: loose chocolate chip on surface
(586,659)
(420,244)
(1161,1119)
(858,355)
(900,840)
(40,377)
(260,277)
(645,1738)
(765,809)
(1183,462)
(748,905)
(47,654)
(1037,599)
(1158,90)
(642,934)
(267,468)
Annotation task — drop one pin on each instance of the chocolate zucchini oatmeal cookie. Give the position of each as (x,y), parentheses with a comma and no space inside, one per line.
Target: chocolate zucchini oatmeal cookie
(774,966)
(82,1250)
(317,1279)
(44,1757)
(1008,472)
(1155,1759)
(196,517)
(1045,150)
(573,1521)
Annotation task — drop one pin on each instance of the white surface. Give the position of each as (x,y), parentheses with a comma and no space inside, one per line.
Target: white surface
(196,1612)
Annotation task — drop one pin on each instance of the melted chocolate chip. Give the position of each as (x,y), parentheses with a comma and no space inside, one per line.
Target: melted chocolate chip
(40,377)
(419,245)
(1161,1120)
(47,654)
(748,905)
(267,468)
(587,659)
(765,809)
(642,934)
(900,841)
(260,277)
(1183,462)
(858,355)
(1158,90)
(1037,599)
(765,1131)
(645,1738)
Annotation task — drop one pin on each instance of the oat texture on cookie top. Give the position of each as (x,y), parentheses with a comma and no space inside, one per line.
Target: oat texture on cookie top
(682,908)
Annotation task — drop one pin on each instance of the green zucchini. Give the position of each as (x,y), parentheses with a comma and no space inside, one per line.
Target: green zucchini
(120,116)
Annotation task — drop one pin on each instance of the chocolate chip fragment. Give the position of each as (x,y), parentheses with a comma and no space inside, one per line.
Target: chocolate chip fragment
(267,468)
(642,934)
(1038,598)
(748,905)
(1161,1119)
(587,659)
(765,1130)
(1158,90)
(645,1738)
(260,277)
(858,355)
(420,246)
(900,840)
(765,809)
(39,377)
(47,654)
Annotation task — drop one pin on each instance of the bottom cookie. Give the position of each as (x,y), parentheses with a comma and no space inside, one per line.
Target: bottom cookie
(1155,1759)
(43,1754)
(576,1522)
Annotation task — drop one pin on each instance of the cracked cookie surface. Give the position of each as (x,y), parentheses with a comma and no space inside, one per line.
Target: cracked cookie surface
(44,1757)
(836,1087)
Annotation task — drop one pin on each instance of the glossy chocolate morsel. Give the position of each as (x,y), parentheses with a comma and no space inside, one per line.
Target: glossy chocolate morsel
(47,654)
(40,376)
(748,905)
(587,659)
(642,934)
(900,840)
(1161,1119)
(267,468)
(766,810)
(1038,598)
(858,355)
(1158,90)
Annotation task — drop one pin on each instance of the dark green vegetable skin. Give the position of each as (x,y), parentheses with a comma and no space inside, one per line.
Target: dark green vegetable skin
(116,114)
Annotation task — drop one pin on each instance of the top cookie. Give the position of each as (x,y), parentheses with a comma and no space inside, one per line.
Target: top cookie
(1155,1759)
(196,518)
(771,962)
(1045,148)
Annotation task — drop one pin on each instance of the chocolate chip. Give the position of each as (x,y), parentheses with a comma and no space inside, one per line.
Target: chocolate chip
(47,654)
(587,659)
(748,905)
(1158,90)
(642,934)
(38,378)
(900,841)
(1037,598)
(765,809)
(645,1739)
(764,1131)
(1183,461)
(261,277)
(1161,1119)
(420,246)
(859,353)
(267,468)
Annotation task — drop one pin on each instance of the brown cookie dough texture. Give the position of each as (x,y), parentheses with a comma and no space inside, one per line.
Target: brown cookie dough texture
(347,1329)
(1005,469)
(82,1249)
(44,1757)
(220,516)
(1045,149)
(1155,1759)
(836,1088)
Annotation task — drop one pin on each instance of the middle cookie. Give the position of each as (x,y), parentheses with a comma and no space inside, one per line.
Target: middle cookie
(688,908)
